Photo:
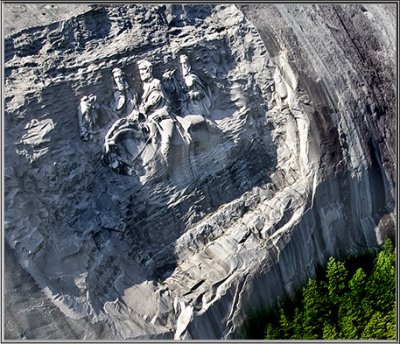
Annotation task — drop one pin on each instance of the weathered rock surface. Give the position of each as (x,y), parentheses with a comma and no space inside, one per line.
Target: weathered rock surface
(301,166)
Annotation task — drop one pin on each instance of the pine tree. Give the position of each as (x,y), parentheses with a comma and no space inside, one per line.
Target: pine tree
(376,327)
(315,310)
(381,285)
(297,324)
(271,332)
(360,307)
(285,326)
(348,328)
(329,331)
(352,316)
(336,274)
(391,324)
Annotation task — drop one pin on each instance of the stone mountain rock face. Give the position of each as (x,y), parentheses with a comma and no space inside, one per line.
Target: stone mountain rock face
(299,166)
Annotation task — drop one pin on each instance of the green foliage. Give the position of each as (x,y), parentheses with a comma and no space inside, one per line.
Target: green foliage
(272,332)
(330,331)
(297,324)
(315,310)
(377,327)
(336,273)
(391,323)
(348,302)
(284,324)
(381,285)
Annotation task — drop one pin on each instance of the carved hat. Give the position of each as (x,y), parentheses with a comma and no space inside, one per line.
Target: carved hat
(183,58)
(117,72)
(144,64)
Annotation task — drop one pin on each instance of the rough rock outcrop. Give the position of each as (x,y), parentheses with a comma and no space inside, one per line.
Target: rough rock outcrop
(299,165)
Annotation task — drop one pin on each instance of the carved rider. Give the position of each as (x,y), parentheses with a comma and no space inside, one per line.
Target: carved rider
(154,106)
(197,98)
(123,101)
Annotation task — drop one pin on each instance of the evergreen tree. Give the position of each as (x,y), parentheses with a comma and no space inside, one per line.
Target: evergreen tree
(272,332)
(297,324)
(347,326)
(352,315)
(315,310)
(360,306)
(376,327)
(329,331)
(284,325)
(336,274)
(381,286)
(391,324)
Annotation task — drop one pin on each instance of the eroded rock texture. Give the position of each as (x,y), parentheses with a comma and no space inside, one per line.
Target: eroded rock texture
(299,166)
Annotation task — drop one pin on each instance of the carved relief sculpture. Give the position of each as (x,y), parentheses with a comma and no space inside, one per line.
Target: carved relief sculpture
(235,147)
(154,107)
(123,101)
(87,117)
(197,95)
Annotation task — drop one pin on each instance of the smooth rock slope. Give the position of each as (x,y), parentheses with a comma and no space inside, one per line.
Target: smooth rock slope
(298,166)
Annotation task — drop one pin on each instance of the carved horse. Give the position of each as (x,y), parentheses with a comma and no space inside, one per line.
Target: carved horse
(127,149)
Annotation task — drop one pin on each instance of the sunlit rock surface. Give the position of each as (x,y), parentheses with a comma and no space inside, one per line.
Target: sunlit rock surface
(299,166)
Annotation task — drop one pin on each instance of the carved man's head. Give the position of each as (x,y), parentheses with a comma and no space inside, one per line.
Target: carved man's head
(118,76)
(145,70)
(185,65)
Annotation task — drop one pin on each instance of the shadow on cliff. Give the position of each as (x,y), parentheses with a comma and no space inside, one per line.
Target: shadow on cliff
(342,223)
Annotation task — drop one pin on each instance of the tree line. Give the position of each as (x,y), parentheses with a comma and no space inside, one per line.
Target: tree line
(352,299)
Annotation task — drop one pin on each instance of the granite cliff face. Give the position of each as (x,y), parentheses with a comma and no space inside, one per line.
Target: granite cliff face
(299,165)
